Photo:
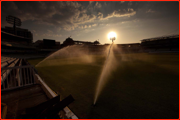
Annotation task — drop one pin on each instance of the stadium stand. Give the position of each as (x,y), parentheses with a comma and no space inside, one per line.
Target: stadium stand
(23,92)
(47,44)
(22,89)
(159,44)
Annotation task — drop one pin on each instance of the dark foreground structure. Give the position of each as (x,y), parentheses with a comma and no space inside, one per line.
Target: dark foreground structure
(25,95)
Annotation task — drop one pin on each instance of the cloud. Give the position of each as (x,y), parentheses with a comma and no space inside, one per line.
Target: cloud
(100,15)
(66,15)
(34,31)
(85,26)
(49,13)
(91,2)
(81,27)
(84,18)
(70,27)
(150,11)
(69,15)
(52,35)
(50,31)
(130,3)
(120,13)
(94,25)
(98,5)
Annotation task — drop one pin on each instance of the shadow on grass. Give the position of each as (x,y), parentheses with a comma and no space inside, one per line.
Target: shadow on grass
(140,90)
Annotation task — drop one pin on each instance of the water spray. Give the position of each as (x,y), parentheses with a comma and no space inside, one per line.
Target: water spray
(101,79)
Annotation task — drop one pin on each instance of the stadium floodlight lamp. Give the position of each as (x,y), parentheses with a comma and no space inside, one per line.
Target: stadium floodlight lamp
(113,38)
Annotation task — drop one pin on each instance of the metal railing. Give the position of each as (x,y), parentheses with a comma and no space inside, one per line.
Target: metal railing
(19,76)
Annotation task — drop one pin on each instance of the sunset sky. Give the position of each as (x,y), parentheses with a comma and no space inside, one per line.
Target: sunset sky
(92,20)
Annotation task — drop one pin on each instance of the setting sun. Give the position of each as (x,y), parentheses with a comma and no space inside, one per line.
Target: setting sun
(112,35)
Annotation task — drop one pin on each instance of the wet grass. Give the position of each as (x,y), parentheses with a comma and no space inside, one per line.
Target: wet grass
(142,86)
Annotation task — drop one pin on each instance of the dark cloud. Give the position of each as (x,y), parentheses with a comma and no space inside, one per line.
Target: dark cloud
(56,13)
(156,9)
(67,15)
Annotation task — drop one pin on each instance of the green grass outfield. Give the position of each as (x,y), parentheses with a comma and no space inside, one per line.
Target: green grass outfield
(142,85)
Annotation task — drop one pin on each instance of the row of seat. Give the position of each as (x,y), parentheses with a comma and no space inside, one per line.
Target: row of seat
(8,61)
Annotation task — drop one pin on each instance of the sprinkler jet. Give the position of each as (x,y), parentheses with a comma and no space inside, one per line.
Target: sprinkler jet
(111,36)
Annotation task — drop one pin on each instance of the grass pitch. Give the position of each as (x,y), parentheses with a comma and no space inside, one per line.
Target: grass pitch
(141,86)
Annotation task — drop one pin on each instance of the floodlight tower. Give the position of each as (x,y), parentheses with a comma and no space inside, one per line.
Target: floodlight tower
(113,38)
(13,20)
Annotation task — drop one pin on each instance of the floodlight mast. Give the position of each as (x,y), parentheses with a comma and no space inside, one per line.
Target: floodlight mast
(113,38)
(15,21)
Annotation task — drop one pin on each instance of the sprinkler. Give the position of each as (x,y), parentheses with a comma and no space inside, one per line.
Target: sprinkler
(94,105)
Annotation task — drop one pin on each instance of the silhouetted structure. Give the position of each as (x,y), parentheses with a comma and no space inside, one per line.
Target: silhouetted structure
(96,42)
(131,47)
(16,40)
(47,44)
(25,95)
(19,41)
(14,44)
(113,38)
(164,43)
(15,21)
(83,43)
(22,36)
(70,41)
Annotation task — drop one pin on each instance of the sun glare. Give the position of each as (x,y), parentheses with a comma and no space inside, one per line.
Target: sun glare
(112,35)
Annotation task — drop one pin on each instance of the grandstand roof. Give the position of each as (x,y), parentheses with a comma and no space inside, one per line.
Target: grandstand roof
(20,37)
(16,45)
(129,44)
(160,38)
